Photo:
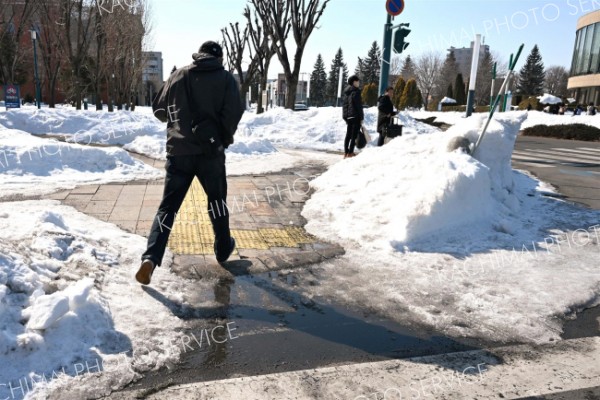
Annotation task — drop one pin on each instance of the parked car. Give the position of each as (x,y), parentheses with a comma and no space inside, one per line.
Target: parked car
(300,107)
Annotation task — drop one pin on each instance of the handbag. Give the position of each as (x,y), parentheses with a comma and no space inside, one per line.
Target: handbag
(394,129)
(210,143)
(363,138)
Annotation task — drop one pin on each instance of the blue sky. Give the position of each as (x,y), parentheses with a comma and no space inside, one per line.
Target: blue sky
(180,26)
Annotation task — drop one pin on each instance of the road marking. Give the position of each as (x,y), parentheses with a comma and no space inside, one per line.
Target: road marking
(561,154)
(586,152)
(549,158)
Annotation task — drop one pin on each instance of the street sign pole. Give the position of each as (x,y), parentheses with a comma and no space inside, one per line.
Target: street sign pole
(387,52)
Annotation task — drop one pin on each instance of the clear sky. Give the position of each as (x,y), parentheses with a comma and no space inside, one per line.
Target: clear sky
(180,26)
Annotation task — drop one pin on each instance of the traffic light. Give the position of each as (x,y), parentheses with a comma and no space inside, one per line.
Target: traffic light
(399,43)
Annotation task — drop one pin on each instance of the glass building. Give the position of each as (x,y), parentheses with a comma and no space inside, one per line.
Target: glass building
(584,81)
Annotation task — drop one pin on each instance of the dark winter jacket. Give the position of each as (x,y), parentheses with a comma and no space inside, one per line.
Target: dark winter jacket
(217,100)
(352,104)
(386,110)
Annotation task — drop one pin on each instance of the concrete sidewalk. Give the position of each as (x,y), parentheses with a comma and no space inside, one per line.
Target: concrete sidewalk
(264,218)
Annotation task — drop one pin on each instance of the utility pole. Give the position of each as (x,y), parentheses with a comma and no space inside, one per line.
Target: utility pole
(38,92)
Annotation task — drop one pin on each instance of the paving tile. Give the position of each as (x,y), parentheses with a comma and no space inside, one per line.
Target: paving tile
(100,207)
(108,192)
(262,209)
(147,213)
(125,214)
(128,226)
(92,189)
(101,217)
(82,198)
(59,195)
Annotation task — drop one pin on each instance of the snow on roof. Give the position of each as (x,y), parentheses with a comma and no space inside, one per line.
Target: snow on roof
(447,100)
(549,99)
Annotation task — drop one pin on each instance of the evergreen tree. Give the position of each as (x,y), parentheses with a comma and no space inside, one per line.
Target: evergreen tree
(360,69)
(410,96)
(408,69)
(318,83)
(417,100)
(448,72)
(449,92)
(334,72)
(369,94)
(532,75)
(398,91)
(372,65)
(459,91)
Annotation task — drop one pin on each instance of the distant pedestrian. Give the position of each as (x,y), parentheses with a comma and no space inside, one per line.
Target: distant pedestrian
(202,107)
(591,110)
(561,110)
(578,110)
(385,113)
(353,114)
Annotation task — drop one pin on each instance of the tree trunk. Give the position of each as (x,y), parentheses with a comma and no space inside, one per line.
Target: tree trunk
(290,98)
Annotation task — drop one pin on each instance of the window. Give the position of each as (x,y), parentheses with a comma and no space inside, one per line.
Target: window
(587,50)
(594,67)
(580,47)
(576,53)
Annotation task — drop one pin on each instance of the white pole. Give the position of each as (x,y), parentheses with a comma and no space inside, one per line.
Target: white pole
(475,62)
(308,89)
(339,92)
(473,77)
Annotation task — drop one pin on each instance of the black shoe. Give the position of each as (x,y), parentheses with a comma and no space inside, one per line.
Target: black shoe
(144,274)
(223,257)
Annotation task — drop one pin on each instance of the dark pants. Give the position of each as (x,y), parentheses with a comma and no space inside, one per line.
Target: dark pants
(181,171)
(352,131)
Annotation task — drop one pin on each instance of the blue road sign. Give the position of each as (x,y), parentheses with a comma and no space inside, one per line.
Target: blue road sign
(12,99)
(394,7)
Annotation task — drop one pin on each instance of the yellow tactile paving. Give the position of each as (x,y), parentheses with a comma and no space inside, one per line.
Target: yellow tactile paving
(192,232)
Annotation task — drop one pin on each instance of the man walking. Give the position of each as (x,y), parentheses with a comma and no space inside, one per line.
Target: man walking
(353,115)
(202,107)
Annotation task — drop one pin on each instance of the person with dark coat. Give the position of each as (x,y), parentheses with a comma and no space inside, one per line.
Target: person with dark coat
(353,115)
(202,107)
(385,114)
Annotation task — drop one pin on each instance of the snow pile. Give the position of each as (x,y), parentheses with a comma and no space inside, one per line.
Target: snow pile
(70,307)
(549,99)
(542,118)
(413,187)
(30,165)
(462,245)
(317,128)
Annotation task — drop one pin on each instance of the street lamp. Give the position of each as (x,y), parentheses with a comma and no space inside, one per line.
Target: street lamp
(38,93)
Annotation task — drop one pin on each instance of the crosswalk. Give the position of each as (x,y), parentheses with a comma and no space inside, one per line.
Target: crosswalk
(586,157)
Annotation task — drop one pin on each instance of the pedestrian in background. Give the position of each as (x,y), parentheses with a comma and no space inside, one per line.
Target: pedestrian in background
(591,110)
(353,114)
(202,107)
(385,113)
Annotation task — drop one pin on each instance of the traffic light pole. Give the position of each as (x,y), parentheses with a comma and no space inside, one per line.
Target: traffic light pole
(386,57)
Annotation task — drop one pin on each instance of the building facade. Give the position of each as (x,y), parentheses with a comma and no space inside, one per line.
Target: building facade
(584,80)
(152,76)
(464,56)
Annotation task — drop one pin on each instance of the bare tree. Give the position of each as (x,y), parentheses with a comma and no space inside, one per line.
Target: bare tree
(277,17)
(264,49)
(396,65)
(427,70)
(556,80)
(14,22)
(50,45)
(78,31)
(235,42)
